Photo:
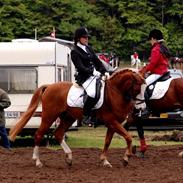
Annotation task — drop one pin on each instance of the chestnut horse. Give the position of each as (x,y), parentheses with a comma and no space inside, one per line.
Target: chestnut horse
(121,90)
(172,100)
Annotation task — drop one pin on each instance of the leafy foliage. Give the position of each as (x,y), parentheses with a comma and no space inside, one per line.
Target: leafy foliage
(118,26)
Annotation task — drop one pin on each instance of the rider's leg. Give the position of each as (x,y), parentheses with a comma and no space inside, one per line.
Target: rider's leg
(90,88)
(87,109)
(142,105)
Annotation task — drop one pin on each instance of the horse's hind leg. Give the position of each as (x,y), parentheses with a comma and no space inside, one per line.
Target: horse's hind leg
(59,134)
(37,139)
(143,145)
(103,156)
(140,130)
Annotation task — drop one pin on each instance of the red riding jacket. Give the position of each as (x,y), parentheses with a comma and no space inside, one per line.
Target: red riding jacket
(158,63)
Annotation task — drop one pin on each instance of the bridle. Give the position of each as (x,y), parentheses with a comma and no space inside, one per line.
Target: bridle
(128,96)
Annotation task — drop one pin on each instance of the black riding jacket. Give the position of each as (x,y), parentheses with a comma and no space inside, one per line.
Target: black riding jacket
(85,63)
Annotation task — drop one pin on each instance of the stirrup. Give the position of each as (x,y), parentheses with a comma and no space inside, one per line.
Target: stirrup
(86,120)
(145,113)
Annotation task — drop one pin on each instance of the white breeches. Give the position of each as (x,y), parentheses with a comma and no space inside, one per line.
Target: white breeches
(90,86)
(153,77)
(149,80)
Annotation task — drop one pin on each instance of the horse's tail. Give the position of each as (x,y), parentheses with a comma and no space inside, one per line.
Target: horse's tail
(36,98)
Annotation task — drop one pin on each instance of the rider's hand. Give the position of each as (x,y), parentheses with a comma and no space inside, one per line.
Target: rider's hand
(142,71)
(96,73)
(107,75)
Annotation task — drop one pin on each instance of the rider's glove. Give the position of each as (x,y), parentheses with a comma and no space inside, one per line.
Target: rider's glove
(105,76)
(96,73)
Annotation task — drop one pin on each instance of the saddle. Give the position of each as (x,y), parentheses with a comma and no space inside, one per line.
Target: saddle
(77,95)
(158,88)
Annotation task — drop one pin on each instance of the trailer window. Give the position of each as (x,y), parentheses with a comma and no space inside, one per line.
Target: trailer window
(63,74)
(18,80)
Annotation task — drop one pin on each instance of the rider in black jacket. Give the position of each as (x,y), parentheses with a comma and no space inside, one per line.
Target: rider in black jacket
(88,69)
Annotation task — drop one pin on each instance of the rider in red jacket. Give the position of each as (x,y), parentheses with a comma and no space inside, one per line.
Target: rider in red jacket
(157,66)
(135,55)
(158,63)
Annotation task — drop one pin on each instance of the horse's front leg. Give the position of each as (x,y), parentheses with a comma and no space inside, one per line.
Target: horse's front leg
(59,135)
(143,145)
(103,156)
(68,152)
(117,127)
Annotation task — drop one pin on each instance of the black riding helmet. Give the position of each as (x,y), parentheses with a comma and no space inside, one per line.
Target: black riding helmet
(80,32)
(156,34)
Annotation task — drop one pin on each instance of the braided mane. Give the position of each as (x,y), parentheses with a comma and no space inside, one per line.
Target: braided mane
(122,71)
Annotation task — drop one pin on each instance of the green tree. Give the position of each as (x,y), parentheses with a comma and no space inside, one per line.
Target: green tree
(119,26)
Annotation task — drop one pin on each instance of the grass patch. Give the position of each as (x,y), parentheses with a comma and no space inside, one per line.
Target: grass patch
(87,137)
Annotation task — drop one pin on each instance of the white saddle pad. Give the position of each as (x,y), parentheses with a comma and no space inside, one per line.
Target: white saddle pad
(75,96)
(160,89)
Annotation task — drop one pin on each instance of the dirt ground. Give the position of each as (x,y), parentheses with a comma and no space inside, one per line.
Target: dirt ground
(160,165)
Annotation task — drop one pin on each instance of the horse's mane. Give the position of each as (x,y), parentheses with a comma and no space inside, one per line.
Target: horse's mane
(122,71)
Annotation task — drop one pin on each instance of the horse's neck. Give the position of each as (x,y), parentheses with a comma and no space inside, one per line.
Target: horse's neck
(112,93)
(117,84)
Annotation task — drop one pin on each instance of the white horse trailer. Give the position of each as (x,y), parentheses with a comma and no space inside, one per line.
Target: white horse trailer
(26,65)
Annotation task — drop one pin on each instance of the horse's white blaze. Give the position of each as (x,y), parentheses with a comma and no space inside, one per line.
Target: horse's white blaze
(66,148)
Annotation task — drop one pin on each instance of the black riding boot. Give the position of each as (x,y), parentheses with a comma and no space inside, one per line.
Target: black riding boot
(88,105)
(145,113)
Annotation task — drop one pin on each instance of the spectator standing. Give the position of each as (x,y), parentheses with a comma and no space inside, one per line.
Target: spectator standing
(4,103)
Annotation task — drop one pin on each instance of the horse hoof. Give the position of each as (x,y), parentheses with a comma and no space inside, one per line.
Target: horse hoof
(39,165)
(69,162)
(68,159)
(108,165)
(180,154)
(125,162)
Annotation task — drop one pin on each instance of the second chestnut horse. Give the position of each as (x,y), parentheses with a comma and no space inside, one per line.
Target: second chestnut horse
(172,100)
